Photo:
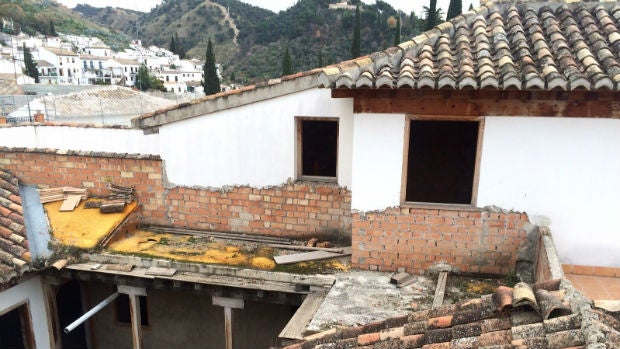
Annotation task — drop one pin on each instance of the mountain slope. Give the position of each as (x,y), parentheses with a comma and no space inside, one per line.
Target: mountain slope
(32,16)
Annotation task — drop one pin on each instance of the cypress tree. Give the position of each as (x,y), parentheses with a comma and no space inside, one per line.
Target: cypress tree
(397,31)
(356,44)
(320,59)
(455,9)
(31,65)
(179,46)
(287,66)
(173,44)
(210,80)
(52,29)
(471,6)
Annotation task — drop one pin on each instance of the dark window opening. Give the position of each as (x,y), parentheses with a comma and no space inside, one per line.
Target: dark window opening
(441,161)
(319,148)
(15,332)
(123,310)
(69,306)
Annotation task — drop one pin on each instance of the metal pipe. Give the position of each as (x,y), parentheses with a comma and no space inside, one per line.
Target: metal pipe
(91,312)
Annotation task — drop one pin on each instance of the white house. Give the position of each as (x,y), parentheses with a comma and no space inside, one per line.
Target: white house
(67,64)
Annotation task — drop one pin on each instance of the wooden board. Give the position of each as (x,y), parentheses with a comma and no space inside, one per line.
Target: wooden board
(296,327)
(440,290)
(158,271)
(310,256)
(70,203)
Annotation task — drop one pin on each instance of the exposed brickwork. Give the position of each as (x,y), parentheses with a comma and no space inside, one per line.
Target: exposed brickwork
(289,210)
(475,241)
(293,208)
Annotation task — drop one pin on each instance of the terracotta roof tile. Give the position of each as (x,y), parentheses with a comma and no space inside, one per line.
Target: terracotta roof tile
(470,324)
(529,45)
(14,254)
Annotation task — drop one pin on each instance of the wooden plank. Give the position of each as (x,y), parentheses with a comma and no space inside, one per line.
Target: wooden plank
(296,327)
(307,248)
(440,290)
(158,271)
(310,256)
(70,203)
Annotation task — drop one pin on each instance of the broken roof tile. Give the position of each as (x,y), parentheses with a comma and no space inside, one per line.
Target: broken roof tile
(470,324)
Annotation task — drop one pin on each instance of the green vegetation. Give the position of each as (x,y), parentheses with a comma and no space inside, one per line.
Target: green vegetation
(287,66)
(433,15)
(454,9)
(147,81)
(397,32)
(210,80)
(356,42)
(31,65)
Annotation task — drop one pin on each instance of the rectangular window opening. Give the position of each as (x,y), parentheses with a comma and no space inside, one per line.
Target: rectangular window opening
(123,310)
(441,161)
(318,148)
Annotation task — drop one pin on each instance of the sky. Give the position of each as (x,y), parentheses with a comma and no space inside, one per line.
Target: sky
(273,5)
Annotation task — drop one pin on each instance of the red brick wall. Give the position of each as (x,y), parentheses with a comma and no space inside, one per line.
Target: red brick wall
(475,241)
(288,210)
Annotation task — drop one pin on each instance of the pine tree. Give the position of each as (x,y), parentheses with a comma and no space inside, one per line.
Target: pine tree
(454,9)
(31,65)
(287,66)
(210,80)
(356,44)
(397,31)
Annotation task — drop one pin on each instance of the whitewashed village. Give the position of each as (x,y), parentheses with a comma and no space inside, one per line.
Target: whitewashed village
(460,189)
(71,63)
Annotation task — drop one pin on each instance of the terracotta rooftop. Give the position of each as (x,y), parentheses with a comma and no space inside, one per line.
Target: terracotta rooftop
(14,253)
(520,317)
(502,45)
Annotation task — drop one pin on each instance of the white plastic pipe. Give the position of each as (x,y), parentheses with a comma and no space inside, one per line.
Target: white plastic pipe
(91,312)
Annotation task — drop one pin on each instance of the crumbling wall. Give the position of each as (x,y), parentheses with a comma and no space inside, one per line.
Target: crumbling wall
(287,210)
(413,239)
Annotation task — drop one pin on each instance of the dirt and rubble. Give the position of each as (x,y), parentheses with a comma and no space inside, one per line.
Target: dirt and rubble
(361,297)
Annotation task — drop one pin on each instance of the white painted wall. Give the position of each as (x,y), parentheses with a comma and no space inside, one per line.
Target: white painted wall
(561,171)
(378,145)
(30,291)
(80,138)
(564,172)
(253,144)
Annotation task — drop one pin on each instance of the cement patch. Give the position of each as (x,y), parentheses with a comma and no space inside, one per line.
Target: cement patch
(362,297)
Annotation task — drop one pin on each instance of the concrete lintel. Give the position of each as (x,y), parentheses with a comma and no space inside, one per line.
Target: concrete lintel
(225,302)
(131,290)
(295,279)
(227,102)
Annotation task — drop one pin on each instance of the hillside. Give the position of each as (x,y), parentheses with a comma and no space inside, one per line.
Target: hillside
(118,19)
(248,41)
(47,17)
